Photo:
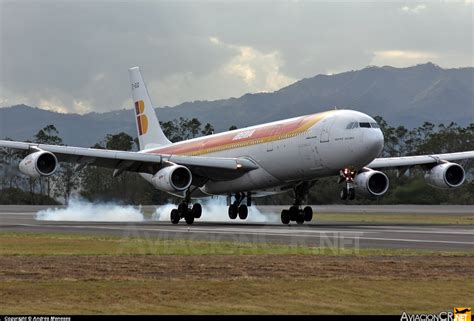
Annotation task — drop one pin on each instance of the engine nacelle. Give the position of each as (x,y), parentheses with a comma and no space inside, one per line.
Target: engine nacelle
(174,178)
(447,175)
(371,183)
(38,164)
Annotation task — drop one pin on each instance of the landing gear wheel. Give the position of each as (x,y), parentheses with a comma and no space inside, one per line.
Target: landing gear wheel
(197,210)
(352,194)
(293,213)
(189,217)
(174,216)
(243,212)
(308,214)
(285,217)
(182,209)
(300,217)
(233,211)
(343,194)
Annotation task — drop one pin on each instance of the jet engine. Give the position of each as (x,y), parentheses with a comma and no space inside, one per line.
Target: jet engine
(446,175)
(371,183)
(38,164)
(174,178)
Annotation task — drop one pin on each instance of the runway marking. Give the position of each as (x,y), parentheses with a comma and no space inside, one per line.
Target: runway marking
(19,213)
(373,230)
(259,234)
(280,228)
(17,218)
(186,230)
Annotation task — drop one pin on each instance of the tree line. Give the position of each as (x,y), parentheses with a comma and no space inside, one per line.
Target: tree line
(98,184)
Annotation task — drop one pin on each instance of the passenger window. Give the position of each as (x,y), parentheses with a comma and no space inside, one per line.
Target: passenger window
(364,125)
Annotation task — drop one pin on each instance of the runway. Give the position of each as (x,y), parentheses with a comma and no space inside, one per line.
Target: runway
(337,235)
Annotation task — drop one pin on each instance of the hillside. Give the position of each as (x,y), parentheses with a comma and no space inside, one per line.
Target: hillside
(407,96)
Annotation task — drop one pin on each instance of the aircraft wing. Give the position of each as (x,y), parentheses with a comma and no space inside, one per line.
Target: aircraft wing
(408,161)
(209,167)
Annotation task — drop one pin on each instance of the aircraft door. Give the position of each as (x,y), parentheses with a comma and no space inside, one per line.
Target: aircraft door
(309,154)
(326,128)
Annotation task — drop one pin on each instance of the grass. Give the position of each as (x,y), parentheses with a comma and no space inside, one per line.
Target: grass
(243,296)
(22,291)
(394,218)
(56,244)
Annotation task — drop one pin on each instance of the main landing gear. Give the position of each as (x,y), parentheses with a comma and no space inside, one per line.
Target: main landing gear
(238,209)
(348,191)
(296,212)
(185,211)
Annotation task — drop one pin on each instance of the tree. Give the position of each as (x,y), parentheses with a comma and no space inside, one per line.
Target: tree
(208,130)
(66,180)
(47,135)
(182,128)
(121,141)
(194,127)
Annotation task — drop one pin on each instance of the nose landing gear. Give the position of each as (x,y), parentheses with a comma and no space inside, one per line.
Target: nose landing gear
(348,191)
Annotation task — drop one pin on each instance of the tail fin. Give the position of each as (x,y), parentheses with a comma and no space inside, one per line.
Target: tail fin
(149,130)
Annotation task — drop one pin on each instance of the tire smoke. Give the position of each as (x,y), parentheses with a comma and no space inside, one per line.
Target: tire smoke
(79,210)
(213,210)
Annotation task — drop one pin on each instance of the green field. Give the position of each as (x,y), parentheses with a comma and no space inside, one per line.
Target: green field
(395,218)
(53,244)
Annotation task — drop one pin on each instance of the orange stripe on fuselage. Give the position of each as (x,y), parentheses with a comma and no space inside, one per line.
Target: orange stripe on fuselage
(259,134)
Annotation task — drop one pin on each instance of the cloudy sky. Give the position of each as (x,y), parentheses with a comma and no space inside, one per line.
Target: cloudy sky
(73,56)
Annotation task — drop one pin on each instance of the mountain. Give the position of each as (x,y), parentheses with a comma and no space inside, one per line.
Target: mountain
(403,96)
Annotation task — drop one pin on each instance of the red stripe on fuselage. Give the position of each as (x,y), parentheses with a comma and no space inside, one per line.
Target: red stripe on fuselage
(264,133)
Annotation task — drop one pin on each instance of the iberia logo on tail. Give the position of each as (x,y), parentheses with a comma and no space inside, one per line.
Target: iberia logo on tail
(142,120)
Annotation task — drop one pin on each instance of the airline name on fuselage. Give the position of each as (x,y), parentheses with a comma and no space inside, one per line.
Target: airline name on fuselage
(244,134)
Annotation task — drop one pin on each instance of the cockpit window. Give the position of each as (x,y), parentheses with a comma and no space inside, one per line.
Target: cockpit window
(352,125)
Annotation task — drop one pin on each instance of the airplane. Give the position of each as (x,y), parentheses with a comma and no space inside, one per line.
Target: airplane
(242,164)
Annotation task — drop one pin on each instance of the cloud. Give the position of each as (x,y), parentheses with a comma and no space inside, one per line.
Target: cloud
(246,70)
(260,71)
(415,9)
(73,56)
(401,58)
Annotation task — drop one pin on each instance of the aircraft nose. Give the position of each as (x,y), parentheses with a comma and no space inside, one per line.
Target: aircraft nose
(374,142)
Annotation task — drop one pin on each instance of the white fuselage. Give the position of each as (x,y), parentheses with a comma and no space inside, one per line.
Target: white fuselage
(322,149)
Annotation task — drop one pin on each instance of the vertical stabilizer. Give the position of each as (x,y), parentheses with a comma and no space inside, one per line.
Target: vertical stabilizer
(149,130)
